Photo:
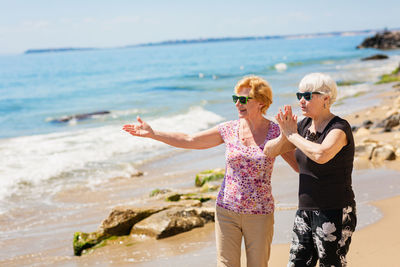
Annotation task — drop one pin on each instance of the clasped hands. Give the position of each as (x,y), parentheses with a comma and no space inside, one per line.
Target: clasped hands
(287,121)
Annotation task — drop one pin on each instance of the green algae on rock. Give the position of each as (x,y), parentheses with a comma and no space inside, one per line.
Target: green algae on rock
(83,241)
(209,175)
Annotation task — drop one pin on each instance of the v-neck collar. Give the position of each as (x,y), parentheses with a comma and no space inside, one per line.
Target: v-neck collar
(259,146)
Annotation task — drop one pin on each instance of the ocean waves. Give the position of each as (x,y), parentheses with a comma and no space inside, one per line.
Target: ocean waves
(50,162)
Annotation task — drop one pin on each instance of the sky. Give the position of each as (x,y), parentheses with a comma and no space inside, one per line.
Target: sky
(38,24)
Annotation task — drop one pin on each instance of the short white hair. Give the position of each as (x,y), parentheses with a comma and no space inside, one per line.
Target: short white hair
(319,82)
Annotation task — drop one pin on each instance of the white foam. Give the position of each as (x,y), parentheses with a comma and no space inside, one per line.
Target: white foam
(366,71)
(89,155)
(281,67)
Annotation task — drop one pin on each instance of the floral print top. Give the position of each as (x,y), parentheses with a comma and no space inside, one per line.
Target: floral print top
(246,187)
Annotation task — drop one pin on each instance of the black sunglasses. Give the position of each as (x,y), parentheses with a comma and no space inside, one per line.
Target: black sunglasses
(307,95)
(242,99)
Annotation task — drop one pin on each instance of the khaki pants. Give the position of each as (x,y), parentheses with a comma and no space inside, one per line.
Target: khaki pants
(257,230)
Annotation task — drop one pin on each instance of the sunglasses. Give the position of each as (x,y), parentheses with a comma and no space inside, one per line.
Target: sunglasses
(242,99)
(307,95)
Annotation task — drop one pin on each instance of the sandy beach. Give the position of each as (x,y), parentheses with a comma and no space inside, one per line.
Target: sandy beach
(377,187)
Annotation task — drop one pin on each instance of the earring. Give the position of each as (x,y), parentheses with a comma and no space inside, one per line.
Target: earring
(324,106)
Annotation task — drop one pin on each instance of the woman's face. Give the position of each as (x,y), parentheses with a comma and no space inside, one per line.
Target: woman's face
(314,106)
(252,108)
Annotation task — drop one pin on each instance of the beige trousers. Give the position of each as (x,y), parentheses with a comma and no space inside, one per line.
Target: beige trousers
(257,230)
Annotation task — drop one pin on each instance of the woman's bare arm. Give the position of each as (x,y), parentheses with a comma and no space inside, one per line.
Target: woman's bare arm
(202,140)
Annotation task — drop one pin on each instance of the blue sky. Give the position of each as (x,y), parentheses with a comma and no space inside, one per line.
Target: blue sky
(99,23)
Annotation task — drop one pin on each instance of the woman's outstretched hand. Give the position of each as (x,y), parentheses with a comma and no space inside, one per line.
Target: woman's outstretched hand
(141,129)
(287,121)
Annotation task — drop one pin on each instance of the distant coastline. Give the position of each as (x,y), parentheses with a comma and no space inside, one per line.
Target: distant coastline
(50,50)
(214,40)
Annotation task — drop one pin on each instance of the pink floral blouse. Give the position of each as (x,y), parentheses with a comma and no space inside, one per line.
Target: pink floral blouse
(246,187)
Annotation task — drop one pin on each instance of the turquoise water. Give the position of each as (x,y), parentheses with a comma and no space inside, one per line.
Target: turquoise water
(174,87)
(155,81)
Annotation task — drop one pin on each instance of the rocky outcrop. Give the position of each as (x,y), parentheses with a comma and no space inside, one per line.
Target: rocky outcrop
(382,40)
(166,213)
(121,219)
(79,117)
(375,57)
(375,151)
(173,221)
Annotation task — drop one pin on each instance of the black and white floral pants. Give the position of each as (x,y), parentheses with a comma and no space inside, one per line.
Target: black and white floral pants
(323,235)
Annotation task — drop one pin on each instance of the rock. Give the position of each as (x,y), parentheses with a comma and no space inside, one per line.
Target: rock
(137,174)
(382,40)
(209,175)
(121,219)
(392,112)
(365,150)
(391,121)
(376,57)
(367,124)
(84,241)
(80,117)
(169,222)
(397,153)
(383,153)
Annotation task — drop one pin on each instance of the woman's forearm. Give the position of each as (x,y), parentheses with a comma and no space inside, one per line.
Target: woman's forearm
(278,146)
(202,140)
(312,150)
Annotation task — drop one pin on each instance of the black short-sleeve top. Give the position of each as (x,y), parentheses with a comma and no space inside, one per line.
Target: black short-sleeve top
(328,185)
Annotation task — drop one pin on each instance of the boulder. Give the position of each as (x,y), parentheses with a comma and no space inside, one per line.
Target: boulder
(365,150)
(121,219)
(171,222)
(383,153)
(390,122)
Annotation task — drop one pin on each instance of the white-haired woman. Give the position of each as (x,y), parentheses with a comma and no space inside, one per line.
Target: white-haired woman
(326,215)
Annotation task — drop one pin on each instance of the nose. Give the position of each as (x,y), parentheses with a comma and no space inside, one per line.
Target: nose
(302,100)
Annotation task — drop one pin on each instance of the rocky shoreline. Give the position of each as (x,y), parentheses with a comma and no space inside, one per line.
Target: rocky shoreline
(382,40)
(378,140)
(165,214)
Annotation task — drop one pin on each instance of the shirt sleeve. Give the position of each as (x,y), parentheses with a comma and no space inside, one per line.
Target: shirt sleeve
(224,128)
(343,125)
